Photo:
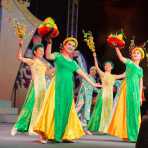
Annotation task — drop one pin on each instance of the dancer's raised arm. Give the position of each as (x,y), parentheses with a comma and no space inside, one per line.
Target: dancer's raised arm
(120,76)
(20,55)
(119,54)
(48,53)
(96,64)
(85,76)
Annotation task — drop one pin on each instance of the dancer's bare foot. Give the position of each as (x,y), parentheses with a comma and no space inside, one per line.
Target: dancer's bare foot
(87,132)
(43,140)
(101,133)
(13,131)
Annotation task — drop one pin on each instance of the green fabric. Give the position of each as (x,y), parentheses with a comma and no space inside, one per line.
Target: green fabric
(133,75)
(85,94)
(63,92)
(94,122)
(23,122)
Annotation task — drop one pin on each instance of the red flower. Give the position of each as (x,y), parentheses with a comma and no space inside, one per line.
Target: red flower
(43,30)
(115,40)
(48,27)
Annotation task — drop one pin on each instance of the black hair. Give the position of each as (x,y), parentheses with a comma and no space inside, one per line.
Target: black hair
(34,48)
(112,64)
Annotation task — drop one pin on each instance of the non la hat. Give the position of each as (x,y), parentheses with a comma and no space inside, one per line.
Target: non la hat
(71,39)
(140,50)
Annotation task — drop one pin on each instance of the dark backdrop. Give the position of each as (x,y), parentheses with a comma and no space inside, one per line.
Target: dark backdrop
(57,9)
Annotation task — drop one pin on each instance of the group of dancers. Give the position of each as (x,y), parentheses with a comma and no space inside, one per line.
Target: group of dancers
(52,113)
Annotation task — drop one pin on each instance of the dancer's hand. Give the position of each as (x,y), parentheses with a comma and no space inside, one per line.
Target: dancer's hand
(49,40)
(141,101)
(19,54)
(20,43)
(94,54)
(97,85)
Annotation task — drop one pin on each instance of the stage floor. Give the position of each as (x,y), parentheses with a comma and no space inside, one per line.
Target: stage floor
(25,141)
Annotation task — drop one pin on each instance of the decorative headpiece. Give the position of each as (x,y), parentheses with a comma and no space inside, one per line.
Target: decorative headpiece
(71,39)
(93,68)
(142,49)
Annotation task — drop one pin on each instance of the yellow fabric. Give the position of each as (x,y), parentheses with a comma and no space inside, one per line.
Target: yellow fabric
(108,81)
(38,70)
(44,126)
(74,129)
(118,123)
(45,122)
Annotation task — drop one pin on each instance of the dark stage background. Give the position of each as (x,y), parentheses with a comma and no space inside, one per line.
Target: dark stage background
(101,17)
(56,9)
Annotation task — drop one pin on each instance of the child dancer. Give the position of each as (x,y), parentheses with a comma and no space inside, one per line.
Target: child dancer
(36,91)
(84,100)
(102,111)
(58,119)
(126,117)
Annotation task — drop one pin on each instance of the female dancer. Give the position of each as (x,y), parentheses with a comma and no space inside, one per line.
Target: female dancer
(126,117)
(103,109)
(58,119)
(84,100)
(36,91)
